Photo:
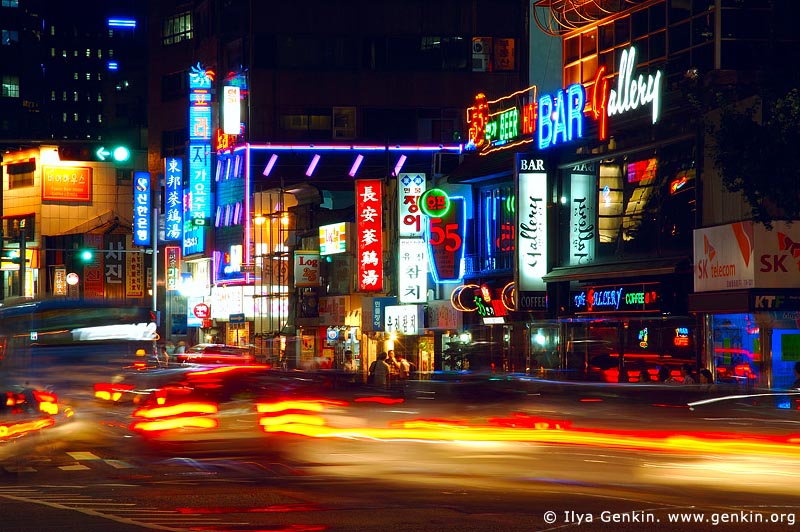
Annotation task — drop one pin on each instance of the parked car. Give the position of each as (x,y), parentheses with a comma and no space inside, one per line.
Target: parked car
(216,354)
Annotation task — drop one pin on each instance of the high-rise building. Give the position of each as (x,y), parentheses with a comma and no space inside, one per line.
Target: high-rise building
(72,71)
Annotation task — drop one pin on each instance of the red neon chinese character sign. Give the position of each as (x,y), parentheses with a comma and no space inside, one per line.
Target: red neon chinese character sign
(369,229)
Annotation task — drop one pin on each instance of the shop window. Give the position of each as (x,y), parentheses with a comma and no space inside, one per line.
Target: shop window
(736,349)
(495,229)
(628,350)
(785,354)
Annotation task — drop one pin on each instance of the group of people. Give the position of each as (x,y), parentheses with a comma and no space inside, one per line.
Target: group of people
(389,369)
(688,376)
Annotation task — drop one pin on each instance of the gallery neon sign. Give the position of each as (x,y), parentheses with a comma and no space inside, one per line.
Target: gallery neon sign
(559,117)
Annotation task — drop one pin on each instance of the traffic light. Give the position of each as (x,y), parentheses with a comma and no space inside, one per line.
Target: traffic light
(117,154)
(11,255)
(86,255)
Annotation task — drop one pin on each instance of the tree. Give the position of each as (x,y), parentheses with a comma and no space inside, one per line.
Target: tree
(757,153)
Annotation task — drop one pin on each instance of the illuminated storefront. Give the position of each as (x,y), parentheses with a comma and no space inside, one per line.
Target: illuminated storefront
(746,288)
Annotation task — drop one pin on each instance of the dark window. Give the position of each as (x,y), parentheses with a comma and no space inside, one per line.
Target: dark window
(20,174)
(173,142)
(174,86)
(392,125)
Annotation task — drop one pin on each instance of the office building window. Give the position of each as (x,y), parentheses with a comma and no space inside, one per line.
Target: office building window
(21,174)
(52,96)
(9,36)
(10,87)
(176,28)
(10,3)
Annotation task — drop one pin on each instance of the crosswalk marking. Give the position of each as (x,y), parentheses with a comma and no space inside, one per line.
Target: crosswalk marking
(83,455)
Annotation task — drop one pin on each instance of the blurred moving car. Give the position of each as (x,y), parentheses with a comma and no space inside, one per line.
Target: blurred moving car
(240,408)
(25,410)
(216,354)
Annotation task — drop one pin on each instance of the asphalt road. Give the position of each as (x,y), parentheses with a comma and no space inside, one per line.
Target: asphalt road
(569,463)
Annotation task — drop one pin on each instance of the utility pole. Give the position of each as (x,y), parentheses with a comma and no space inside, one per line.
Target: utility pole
(22,244)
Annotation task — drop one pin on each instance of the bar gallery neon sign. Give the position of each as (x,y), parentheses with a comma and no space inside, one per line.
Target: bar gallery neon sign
(558,118)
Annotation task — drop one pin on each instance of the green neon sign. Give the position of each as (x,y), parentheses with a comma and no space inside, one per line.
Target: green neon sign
(434,202)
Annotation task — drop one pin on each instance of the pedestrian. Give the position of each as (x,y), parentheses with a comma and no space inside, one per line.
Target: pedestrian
(707,380)
(796,383)
(181,348)
(380,372)
(349,365)
(394,365)
(404,367)
(687,374)
(665,376)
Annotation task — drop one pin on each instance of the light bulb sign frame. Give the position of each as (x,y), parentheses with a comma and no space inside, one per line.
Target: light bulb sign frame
(558,118)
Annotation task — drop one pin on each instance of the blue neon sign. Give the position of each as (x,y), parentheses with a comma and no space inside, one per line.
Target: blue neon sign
(561,116)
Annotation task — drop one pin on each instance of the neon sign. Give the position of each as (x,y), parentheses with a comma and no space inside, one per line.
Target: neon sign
(503,123)
(621,298)
(197,199)
(631,93)
(561,116)
(434,202)
(558,118)
(445,237)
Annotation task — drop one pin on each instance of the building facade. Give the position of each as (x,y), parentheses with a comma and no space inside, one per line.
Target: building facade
(329,99)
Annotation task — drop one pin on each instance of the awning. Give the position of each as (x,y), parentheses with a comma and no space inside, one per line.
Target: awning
(615,270)
(724,302)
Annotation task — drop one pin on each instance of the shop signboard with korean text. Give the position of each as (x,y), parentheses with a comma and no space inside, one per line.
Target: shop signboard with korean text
(66,183)
(369,232)
(141,209)
(411,220)
(197,204)
(173,200)
(412,274)
(404,319)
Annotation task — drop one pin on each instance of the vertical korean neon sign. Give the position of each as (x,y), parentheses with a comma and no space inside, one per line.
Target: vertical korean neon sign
(197,200)
(173,202)
(369,231)
(141,209)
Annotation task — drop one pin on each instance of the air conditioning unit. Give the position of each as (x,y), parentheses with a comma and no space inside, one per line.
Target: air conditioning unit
(481,54)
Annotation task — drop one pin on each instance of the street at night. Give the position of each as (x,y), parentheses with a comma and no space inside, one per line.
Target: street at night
(546,462)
